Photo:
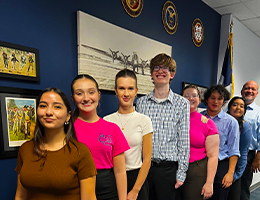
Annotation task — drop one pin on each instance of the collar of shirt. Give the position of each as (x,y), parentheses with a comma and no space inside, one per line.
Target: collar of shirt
(219,115)
(169,98)
(252,106)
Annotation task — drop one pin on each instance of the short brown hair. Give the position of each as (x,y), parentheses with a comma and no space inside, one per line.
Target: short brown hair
(165,60)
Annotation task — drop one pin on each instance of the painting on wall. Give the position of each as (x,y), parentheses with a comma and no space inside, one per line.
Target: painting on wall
(19,62)
(104,49)
(21,119)
(18,118)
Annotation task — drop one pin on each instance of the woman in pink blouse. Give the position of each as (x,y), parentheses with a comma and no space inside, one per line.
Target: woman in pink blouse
(204,148)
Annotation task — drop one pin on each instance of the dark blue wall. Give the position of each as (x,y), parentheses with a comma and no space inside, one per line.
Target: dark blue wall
(51,27)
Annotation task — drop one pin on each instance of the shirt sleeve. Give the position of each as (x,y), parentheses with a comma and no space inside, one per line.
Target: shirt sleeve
(137,107)
(23,151)
(183,145)
(258,132)
(147,126)
(120,143)
(233,139)
(86,165)
(212,129)
(19,162)
(245,140)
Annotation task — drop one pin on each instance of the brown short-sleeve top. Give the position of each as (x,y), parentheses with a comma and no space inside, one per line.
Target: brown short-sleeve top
(57,175)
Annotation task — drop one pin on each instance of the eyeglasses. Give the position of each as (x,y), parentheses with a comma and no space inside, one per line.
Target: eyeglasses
(187,96)
(164,68)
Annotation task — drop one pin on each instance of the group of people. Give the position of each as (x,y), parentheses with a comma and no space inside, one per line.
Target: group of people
(20,120)
(17,67)
(164,149)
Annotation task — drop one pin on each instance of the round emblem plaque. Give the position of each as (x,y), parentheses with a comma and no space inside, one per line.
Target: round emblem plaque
(133,7)
(197,32)
(170,17)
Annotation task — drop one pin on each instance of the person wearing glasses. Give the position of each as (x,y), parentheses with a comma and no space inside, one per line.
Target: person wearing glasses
(204,148)
(170,115)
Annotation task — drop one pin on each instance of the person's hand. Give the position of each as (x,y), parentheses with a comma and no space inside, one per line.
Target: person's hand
(207,190)
(227,180)
(255,167)
(132,195)
(178,184)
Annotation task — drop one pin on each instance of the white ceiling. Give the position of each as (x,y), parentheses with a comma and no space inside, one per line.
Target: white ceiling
(246,11)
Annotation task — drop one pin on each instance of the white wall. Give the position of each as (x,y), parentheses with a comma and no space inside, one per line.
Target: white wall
(246,62)
(246,58)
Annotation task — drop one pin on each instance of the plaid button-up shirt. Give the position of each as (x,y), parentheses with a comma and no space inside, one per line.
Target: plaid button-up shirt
(171,125)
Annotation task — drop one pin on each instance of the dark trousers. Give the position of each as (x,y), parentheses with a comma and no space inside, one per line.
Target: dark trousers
(247,177)
(220,193)
(195,179)
(235,190)
(106,185)
(162,180)
(131,179)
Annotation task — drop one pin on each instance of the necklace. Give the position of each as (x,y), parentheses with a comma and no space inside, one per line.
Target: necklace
(126,121)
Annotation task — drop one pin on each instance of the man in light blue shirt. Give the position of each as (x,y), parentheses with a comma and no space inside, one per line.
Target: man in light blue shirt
(228,128)
(228,133)
(170,115)
(249,92)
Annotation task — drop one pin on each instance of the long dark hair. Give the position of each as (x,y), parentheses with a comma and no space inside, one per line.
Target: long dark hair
(75,113)
(39,129)
(240,119)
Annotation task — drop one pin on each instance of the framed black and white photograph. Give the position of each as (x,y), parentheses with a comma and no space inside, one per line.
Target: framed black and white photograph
(18,118)
(19,62)
(104,49)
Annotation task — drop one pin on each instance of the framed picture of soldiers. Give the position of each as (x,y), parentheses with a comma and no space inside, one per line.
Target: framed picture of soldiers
(17,119)
(19,62)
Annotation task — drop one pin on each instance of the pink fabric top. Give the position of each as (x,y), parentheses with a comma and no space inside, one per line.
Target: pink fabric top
(200,128)
(104,139)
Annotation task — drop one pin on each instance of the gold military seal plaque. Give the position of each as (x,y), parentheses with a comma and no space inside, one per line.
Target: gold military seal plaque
(197,32)
(170,17)
(133,7)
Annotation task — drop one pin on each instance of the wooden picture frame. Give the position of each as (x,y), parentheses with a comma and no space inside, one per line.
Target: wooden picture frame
(17,119)
(19,62)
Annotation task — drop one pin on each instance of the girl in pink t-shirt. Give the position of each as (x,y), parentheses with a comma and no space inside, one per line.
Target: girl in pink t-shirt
(104,139)
(204,142)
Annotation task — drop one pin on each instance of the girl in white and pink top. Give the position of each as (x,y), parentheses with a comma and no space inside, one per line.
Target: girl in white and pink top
(104,139)
(204,148)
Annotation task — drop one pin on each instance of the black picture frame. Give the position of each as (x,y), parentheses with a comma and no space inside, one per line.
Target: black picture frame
(19,62)
(9,148)
(201,88)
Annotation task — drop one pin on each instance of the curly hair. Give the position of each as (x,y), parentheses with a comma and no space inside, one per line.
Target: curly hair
(220,89)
